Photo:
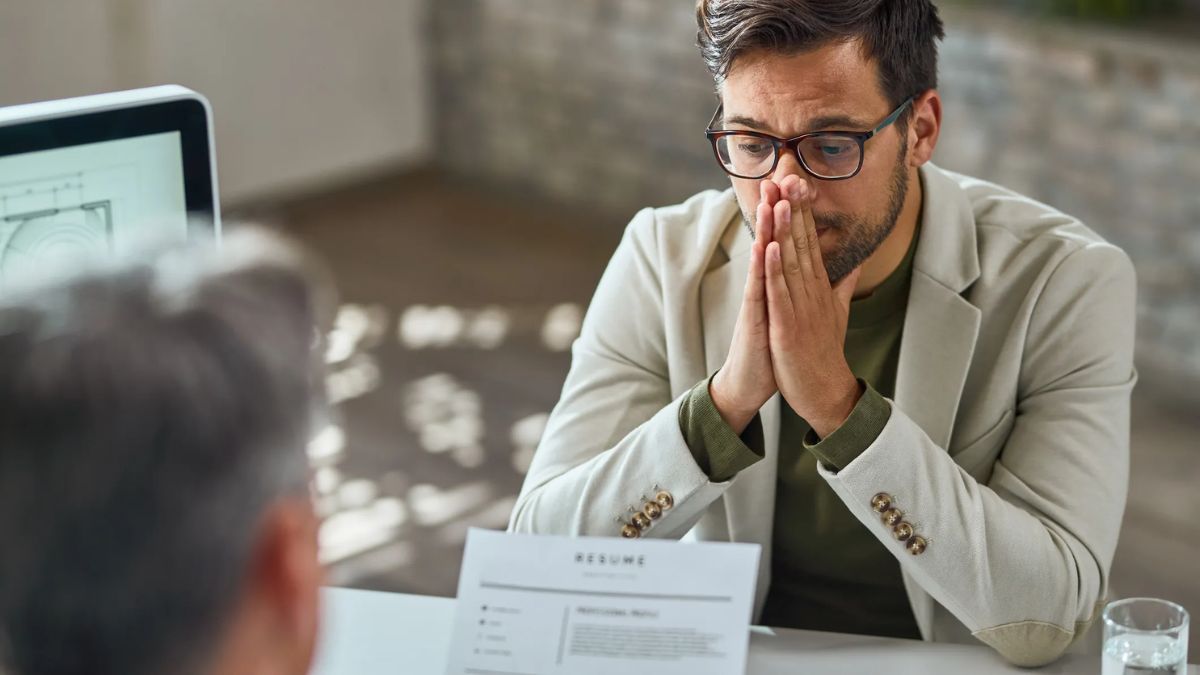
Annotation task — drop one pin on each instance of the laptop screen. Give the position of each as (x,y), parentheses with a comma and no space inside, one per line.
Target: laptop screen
(60,204)
(92,182)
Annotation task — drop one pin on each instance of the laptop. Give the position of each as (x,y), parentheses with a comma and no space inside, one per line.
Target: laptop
(96,175)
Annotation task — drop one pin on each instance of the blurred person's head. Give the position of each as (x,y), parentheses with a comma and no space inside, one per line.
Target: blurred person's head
(154,504)
(790,67)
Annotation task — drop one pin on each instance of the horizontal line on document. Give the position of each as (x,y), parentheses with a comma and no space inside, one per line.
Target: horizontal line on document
(605,594)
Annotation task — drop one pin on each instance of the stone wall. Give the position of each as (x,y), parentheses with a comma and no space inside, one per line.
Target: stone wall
(603,103)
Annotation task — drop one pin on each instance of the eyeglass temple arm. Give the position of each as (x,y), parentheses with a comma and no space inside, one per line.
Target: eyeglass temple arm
(720,109)
(892,118)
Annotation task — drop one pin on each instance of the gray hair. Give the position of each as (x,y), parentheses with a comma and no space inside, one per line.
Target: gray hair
(150,411)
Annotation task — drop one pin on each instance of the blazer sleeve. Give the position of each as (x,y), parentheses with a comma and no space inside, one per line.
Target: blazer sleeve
(1023,560)
(613,441)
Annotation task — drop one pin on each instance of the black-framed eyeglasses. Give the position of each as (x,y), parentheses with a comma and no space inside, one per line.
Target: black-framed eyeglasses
(828,155)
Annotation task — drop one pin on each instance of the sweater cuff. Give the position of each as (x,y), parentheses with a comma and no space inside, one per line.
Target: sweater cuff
(856,434)
(719,452)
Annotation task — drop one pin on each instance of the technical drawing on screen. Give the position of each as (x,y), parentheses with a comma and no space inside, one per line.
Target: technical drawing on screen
(58,207)
(95,178)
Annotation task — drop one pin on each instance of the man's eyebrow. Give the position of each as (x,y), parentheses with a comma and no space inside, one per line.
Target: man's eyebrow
(836,122)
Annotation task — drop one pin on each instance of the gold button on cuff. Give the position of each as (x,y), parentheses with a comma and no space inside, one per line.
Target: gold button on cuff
(881,502)
(653,510)
(640,520)
(892,517)
(664,500)
(630,532)
(903,531)
(917,545)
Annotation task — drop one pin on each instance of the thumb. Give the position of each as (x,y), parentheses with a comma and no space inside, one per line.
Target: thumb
(844,289)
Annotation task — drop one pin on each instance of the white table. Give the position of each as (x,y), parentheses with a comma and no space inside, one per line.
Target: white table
(369,633)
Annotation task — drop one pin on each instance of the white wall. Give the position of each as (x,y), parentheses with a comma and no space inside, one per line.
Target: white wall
(54,49)
(306,92)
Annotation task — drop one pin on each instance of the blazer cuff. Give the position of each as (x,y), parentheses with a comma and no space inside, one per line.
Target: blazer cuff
(719,452)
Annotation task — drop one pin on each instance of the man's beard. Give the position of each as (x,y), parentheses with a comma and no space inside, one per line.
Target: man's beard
(858,238)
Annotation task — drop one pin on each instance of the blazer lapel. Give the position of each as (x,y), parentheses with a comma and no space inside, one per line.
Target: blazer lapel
(721,291)
(941,327)
(939,339)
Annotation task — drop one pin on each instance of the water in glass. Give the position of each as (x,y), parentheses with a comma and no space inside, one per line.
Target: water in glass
(1133,654)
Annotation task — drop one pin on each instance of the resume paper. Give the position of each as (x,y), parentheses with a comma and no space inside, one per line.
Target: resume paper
(536,605)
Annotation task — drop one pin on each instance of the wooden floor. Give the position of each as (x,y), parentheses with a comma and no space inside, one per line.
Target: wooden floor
(458,303)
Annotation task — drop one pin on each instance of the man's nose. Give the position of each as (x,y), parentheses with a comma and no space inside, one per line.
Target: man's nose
(789,165)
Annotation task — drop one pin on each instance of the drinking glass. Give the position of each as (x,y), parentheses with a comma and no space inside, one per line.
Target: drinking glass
(1143,636)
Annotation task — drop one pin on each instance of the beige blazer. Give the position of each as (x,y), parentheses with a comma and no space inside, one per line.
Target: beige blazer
(1008,443)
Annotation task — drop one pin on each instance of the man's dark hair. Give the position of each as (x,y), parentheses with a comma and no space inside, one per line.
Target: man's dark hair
(900,35)
(149,414)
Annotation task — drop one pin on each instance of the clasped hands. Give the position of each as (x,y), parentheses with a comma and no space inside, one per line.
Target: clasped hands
(791,331)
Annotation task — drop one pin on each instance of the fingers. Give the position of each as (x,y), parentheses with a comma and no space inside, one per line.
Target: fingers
(764,223)
(768,193)
(754,304)
(801,193)
(779,303)
(764,228)
(794,264)
(807,194)
(792,189)
(788,188)
(844,290)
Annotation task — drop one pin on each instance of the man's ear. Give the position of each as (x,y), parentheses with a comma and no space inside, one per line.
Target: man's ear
(287,576)
(924,126)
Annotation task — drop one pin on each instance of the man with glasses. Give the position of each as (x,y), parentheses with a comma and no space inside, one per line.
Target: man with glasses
(911,387)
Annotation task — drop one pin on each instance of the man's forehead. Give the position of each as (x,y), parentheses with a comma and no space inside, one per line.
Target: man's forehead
(788,112)
(796,123)
(785,93)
